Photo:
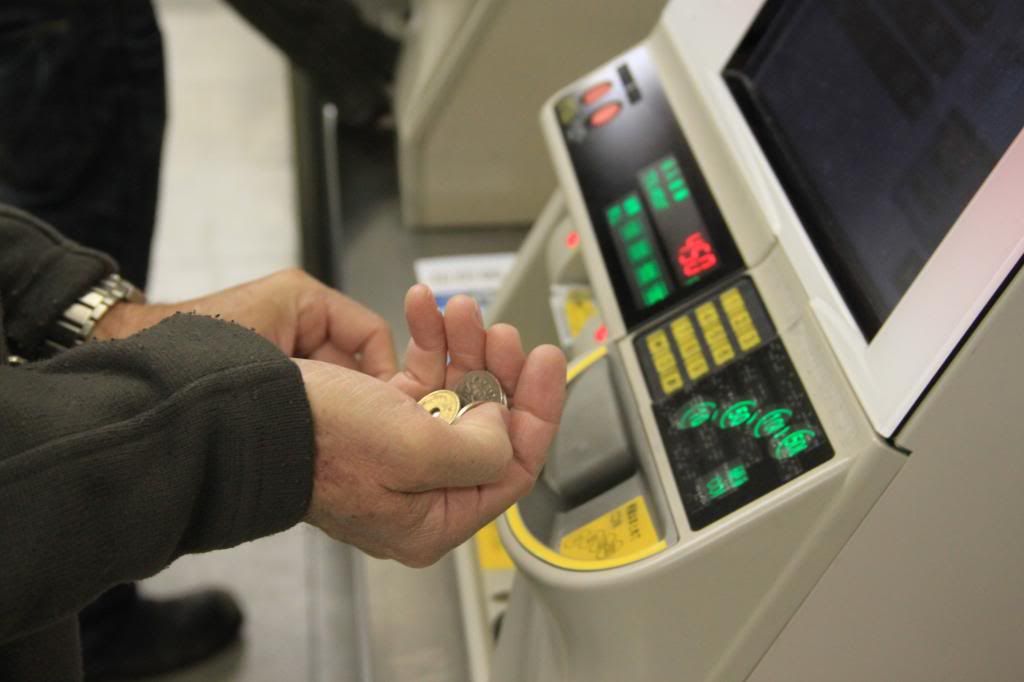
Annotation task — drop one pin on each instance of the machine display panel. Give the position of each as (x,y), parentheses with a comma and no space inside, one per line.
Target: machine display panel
(881,120)
(660,231)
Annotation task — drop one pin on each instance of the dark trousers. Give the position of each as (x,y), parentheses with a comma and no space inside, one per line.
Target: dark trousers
(82,114)
(82,105)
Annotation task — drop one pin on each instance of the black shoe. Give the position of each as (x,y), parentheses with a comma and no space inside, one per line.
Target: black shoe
(125,635)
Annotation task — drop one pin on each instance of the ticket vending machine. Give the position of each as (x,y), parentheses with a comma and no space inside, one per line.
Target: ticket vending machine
(792,446)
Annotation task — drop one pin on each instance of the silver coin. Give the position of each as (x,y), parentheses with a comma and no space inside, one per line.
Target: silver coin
(480,386)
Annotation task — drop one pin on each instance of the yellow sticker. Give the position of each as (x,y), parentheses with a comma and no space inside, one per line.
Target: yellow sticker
(742,324)
(624,530)
(714,333)
(579,308)
(489,551)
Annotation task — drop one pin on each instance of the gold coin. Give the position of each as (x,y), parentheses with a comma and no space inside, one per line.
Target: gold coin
(467,408)
(480,386)
(443,404)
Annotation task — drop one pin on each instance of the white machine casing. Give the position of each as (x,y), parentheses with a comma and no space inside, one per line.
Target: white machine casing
(710,605)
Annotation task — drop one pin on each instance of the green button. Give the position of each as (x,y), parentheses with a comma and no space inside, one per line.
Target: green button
(657,292)
(658,199)
(632,205)
(716,487)
(640,251)
(647,273)
(631,230)
(738,476)
(614,215)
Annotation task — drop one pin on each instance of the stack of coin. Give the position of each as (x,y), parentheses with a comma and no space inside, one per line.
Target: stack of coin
(475,388)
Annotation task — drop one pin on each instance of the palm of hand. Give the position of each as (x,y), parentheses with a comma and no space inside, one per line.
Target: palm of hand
(426,487)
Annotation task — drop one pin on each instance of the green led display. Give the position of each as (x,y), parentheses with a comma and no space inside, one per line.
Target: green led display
(632,205)
(647,273)
(631,230)
(655,293)
(674,184)
(639,250)
(614,215)
(655,192)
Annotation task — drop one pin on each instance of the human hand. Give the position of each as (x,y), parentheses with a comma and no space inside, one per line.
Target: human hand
(398,483)
(294,311)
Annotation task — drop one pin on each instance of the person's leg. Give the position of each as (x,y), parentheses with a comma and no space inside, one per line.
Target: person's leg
(82,109)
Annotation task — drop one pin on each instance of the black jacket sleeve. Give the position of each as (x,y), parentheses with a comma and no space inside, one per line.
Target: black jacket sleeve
(117,457)
(41,274)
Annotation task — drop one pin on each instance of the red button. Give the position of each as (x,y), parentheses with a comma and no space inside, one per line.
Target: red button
(605,114)
(595,93)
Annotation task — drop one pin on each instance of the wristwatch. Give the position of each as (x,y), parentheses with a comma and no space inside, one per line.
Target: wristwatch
(77,323)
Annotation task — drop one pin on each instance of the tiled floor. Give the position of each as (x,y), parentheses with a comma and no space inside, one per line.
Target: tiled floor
(227,211)
(227,215)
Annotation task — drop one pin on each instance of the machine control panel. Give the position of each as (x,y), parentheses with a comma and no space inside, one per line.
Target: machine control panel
(659,229)
(732,414)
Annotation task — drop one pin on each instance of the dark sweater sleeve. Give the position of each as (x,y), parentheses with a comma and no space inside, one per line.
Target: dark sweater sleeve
(41,274)
(117,457)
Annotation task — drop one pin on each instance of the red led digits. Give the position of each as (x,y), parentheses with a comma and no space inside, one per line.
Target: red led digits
(696,255)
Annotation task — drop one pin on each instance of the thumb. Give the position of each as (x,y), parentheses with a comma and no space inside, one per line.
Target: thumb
(474,451)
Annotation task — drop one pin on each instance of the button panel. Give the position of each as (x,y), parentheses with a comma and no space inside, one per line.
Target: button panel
(733,415)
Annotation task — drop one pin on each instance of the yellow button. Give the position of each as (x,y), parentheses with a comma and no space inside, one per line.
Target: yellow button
(715,334)
(739,317)
(689,348)
(664,362)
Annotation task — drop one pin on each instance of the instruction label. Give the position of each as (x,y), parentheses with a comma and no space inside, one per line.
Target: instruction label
(622,531)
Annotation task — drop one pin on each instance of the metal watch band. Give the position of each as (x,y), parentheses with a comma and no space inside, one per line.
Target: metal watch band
(79,320)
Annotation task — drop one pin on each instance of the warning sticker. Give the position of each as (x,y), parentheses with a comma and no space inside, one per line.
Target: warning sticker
(622,531)
(489,551)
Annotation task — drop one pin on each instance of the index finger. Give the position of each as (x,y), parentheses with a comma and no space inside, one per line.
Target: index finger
(354,328)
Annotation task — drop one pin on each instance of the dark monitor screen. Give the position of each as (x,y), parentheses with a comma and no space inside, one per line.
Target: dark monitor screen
(881,118)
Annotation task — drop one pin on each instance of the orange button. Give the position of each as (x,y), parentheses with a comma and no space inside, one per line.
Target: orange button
(595,93)
(605,114)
